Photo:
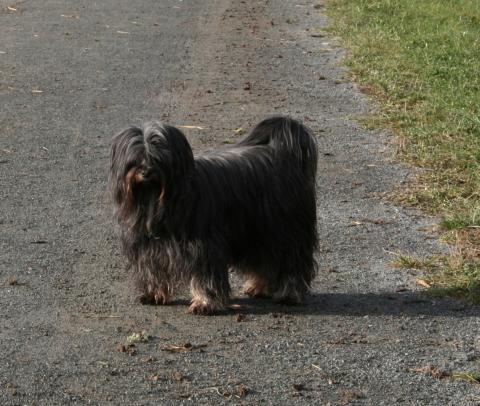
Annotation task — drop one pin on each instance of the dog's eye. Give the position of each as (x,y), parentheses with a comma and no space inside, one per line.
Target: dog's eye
(129,166)
(158,142)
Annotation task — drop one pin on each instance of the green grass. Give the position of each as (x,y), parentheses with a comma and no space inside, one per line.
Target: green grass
(471,377)
(448,275)
(421,61)
(405,261)
(462,220)
(461,283)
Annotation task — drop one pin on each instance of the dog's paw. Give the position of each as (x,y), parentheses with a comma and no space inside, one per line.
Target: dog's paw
(254,288)
(155,298)
(146,299)
(201,308)
(255,292)
(291,299)
(162,299)
(290,294)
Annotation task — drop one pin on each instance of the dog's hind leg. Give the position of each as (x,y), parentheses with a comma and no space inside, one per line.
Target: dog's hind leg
(294,277)
(290,290)
(256,285)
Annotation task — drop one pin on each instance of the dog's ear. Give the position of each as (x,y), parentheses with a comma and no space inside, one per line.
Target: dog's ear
(170,155)
(133,178)
(123,145)
(124,153)
(182,155)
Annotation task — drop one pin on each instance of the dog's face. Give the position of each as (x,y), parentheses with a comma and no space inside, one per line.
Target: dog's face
(147,165)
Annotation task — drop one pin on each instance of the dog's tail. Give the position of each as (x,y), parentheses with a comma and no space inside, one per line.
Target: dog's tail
(287,137)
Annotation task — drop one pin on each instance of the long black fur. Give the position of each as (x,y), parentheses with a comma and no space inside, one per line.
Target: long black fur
(249,207)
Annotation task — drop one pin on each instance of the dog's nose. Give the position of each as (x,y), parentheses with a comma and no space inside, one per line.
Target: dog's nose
(146,172)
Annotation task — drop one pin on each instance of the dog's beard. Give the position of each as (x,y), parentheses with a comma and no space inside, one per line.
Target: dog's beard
(142,208)
(151,209)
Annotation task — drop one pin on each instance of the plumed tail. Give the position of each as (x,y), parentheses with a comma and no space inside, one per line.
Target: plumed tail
(289,138)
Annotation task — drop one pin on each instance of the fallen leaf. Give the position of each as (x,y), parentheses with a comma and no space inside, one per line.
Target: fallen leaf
(355,223)
(380,221)
(196,127)
(298,387)
(348,395)
(147,360)
(128,349)
(241,317)
(12,281)
(241,391)
(183,348)
(239,131)
(178,376)
(142,336)
(422,282)
(377,221)
(155,377)
(432,371)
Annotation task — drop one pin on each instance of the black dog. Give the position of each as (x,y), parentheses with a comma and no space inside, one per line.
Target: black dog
(249,207)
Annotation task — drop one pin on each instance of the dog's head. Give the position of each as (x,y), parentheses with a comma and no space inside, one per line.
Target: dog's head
(149,165)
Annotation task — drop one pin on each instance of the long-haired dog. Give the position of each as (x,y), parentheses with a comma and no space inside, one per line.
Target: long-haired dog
(249,207)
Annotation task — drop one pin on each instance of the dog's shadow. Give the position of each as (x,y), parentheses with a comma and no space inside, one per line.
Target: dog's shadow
(354,304)
(366,304)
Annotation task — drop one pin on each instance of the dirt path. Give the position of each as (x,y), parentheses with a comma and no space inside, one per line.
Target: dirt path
(71,76)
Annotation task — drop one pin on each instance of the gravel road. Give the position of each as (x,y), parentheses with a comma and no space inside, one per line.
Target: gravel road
(74,73)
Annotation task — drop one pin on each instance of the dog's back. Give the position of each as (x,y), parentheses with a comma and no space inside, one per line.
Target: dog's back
(261,191)
(287,137)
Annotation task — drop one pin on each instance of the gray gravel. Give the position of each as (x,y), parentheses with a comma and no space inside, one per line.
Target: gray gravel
(74,73)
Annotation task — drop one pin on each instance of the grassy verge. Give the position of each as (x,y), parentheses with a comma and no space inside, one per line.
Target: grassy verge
(421,60)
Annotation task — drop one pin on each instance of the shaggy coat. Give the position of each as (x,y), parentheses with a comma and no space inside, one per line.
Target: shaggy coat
(249,207)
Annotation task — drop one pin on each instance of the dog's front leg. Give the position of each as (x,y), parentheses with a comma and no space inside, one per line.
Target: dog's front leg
(156,296)
(210,290)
